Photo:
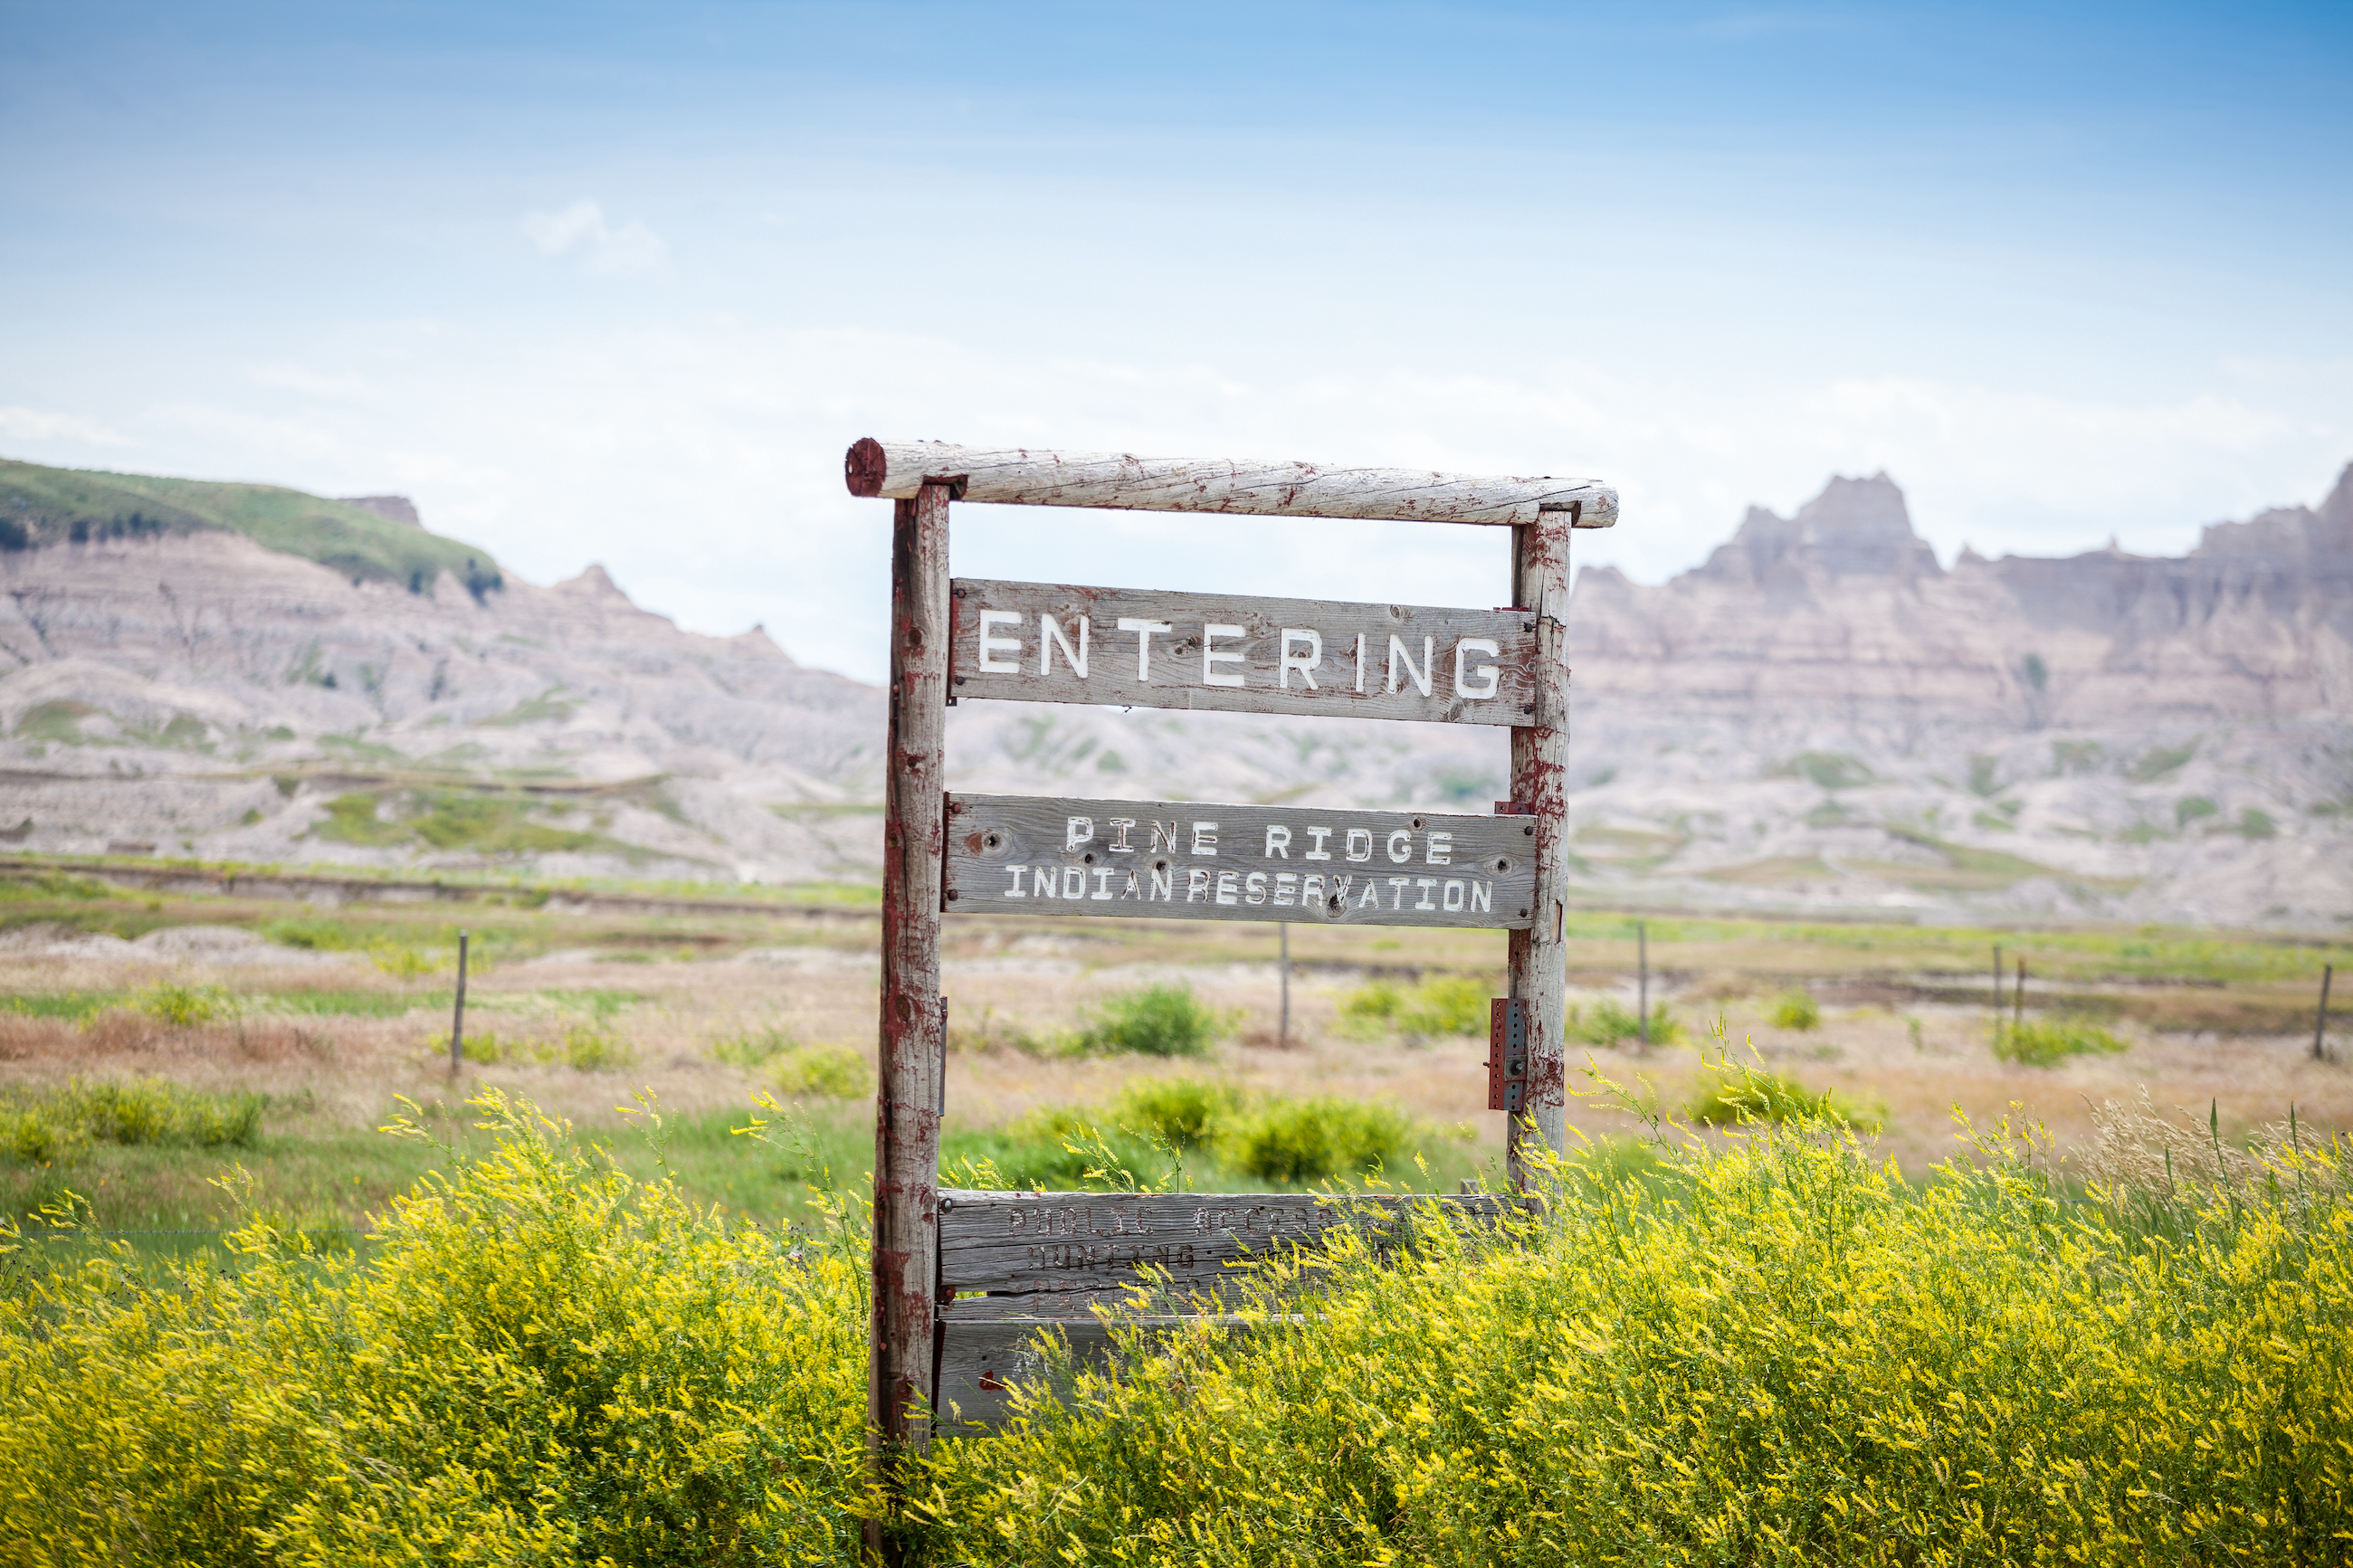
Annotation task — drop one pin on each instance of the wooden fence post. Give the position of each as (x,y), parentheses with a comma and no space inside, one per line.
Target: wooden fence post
(1539,972)
(2320,1019)
(913,1052)
(1642,978)
(458,1018)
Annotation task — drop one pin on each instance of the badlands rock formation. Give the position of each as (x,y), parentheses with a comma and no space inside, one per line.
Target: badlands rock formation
(1821,717)
(202,695)
(1820,712)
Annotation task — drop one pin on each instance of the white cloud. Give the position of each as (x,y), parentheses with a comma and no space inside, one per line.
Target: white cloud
(604,249)
(20,424)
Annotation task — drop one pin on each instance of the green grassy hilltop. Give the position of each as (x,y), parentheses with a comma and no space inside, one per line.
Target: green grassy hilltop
(42,506)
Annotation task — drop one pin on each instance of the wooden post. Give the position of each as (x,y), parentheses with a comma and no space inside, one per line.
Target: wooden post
(913,1051)
(1997,993)
(1642,977)
(1539,972)
(2320,1020)
(457,1020)
(1282,1029)
(2017,1007)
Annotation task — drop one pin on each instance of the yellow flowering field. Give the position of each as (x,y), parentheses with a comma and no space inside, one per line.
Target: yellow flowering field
(1759,1348)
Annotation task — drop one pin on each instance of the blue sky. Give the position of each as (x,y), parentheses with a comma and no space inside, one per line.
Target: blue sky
(619,283)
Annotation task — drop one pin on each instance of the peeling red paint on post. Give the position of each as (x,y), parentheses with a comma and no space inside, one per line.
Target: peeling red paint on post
(913,1039)
(1539,972)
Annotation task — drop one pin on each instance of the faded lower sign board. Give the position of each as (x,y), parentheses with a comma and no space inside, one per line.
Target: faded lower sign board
(1056,1255)
(1019,1269)
(1186,861)
(980,1365)
(1054,642)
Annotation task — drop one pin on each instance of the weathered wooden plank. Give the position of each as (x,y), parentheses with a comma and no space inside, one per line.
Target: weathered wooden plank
(1056,1255)
(1186,861)
(1539,961)
(1056,642)
(1028,476)
(913,1059)
(981,1363)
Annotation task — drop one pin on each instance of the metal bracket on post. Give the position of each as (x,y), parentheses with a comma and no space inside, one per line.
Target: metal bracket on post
(1507,1054)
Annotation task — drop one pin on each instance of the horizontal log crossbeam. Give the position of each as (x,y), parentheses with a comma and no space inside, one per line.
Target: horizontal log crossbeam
(1020,476)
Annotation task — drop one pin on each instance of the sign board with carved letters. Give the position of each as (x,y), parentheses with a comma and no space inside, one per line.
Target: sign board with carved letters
(1056,1255)
(1184,860)
(965,1284)
(1014,1267)
(1047,642)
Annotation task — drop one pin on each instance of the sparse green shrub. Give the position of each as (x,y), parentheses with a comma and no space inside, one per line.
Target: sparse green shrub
(584,1047)
(1445,1005)
(486,1046)
(2042,1043)
(38,1124)
(185,1006)
(590,1047)
(1054,1146)
(753,1047)
(315,933)
(824,1072)
(1610,1023)
(1796,1010)
(353,819)
(406,961)
(1370,1008)
(2191,808)
(1183,1112)
(1441,1006)
(1156,1021)
(26,1135)
(1731,1094)
(1310,1139)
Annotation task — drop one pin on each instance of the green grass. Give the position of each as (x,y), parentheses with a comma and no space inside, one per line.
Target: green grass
(451,819)
(2042,1043)
(350,1004)
(50,506)
(72,1006)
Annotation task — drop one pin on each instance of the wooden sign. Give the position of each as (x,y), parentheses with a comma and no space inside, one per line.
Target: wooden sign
(1055,1254)
(1184,860)
(960,1324)
(1052,642)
